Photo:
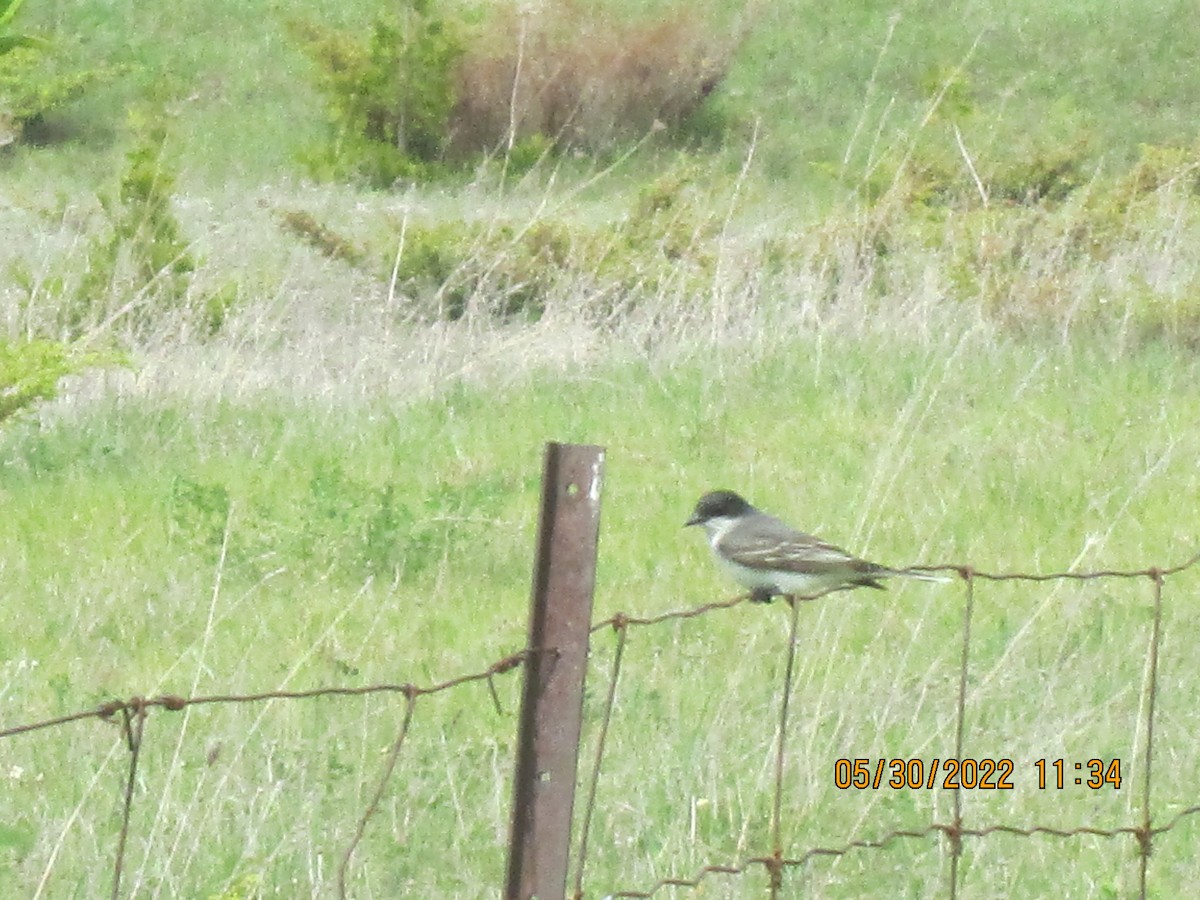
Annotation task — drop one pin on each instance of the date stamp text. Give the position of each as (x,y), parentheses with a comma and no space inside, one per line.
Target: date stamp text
(973,774)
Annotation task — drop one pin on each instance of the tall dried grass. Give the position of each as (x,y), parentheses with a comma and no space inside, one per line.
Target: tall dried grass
(570,74)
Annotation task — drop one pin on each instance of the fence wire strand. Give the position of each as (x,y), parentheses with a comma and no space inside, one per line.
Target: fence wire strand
(776,863)
(410,705)
(175,703)
(885,840)
(619,626)
(775,870)
(1146,836)
(133,723)
(960,714)
(132,714)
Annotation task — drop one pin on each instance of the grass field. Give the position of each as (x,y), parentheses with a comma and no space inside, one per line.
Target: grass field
(337,490)
(374,543)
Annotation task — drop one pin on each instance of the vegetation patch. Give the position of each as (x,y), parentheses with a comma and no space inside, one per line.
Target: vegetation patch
(326,474)
(441,84)
(511,270)
(36,77)
(388,95)
(581,76)
(31,371)
(138,270)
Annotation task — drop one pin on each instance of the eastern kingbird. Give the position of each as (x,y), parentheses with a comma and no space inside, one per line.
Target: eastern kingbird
(771,558)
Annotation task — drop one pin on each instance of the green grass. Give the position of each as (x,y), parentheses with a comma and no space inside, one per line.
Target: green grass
(1040,72)
(166,547)
(1040,75)
(339,489)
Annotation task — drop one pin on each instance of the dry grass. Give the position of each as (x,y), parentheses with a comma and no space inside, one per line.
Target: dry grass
(570,73)
(314,325)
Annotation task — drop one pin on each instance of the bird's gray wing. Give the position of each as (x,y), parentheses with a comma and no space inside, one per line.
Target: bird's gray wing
(764,542)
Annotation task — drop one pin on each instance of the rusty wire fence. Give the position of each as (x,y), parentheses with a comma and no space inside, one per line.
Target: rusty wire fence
(773,859)
(776,863)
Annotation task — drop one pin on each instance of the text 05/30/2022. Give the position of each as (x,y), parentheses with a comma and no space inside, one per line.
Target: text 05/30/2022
(972,774)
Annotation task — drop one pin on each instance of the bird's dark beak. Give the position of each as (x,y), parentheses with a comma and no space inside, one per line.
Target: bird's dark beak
(693,520)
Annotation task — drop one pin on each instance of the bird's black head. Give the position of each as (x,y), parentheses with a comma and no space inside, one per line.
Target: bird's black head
(716,504)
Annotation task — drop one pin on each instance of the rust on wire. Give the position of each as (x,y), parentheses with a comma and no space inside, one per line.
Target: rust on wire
(173,702)
(1148,572)
(886,840)
(552,699)
(491,683)
(624,619)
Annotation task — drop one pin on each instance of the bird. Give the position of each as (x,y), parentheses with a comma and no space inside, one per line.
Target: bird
(773,559)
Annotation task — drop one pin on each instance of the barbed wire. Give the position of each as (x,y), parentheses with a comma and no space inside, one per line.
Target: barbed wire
(776,862)
(174,702)
(131,714)
(883,841)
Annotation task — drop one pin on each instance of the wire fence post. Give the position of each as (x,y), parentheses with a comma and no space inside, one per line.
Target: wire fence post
(552,699)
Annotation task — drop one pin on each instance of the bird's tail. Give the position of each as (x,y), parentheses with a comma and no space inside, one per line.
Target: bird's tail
(918,574)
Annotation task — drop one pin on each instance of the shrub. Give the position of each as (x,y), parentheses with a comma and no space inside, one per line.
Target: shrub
(433,87)
(32,82)
(1042,173)
(389,97)
(1159,317)
(137,274)
(1159,167)
(450,269)
(512,270)
(324,239)
(30,371)
(143,251)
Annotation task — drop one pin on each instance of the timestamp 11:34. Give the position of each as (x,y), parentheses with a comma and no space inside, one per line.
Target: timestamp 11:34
(1095,773)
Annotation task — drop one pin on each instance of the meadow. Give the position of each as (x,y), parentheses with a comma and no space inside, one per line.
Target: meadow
(845,309)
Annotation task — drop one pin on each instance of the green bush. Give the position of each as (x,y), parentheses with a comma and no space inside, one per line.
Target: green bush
(389,97)
(137,275)
(324,239)
(429,88)
(30,371)
(1161,167)
(33,80)
(451,269)
(139,267)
